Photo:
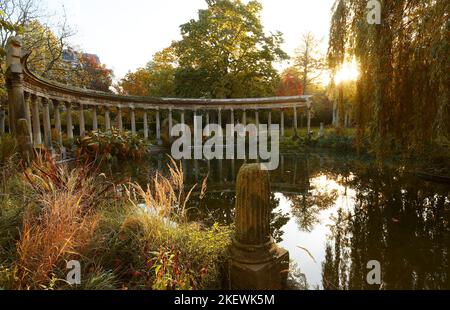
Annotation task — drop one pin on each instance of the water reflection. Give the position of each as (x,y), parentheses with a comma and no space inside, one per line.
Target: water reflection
(335,214)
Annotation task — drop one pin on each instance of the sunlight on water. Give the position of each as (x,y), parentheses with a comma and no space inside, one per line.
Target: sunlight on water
(301,240)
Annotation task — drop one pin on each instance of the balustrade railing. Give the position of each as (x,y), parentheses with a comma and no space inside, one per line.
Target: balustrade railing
(42,104)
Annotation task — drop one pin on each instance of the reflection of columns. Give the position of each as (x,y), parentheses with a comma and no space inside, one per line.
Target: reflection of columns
(2,121)
(94,118)
(69,120)
(158,127)
(282,123)
(232,116)
(57,122)
(219,117)
(81,121)
(119,119)
(47,125)
(133,121)
(233,170)
(295,125)
(27,112)
(145,125)
(207,123)
(37,138)
(221,171)
(244,118)
(107,119)
(196,170)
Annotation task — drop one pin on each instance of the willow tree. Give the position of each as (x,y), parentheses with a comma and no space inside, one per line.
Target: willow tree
(403,87)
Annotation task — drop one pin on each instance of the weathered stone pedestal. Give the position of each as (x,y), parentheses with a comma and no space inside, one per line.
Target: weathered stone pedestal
(256,263)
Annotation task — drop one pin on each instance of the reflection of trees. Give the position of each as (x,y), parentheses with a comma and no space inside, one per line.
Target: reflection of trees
(307,207)
(399,221)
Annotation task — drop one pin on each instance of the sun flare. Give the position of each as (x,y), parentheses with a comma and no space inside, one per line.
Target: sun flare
(349,71)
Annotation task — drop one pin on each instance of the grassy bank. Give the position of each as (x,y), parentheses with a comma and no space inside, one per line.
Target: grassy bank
(123,236)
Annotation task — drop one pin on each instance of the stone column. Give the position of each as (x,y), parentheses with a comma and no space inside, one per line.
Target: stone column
(282,123)
(269,133)
(244,118)
(257,120)
(58,127)
(295,125)
(119,119)
(207,123)
(182,118)
(308,125)
(133,121)
(219,117)
(107,119)
(256,261)
(170,125)
(232,116)
(158,127)
(28,114)
(2,121)
(47,125)
(69,120)
(94,119)
(145,125)
(14,85)
(81,121)
(37,137)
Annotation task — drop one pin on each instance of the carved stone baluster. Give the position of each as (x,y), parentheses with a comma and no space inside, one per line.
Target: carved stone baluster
(244,118)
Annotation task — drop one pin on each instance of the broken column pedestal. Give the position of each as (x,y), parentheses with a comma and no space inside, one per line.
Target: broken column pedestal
(256,262)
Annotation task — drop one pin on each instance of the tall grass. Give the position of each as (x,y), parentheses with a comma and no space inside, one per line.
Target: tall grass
(58,213)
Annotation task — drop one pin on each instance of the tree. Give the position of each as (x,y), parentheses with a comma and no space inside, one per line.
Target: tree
(226,54)
(403,90)
(155,80)
(94,74)
(309,60)
(290,83)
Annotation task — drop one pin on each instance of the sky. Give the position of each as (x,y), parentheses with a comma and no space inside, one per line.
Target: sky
(125,34)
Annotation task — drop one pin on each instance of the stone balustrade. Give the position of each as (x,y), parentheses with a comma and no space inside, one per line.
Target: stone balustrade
(45,101)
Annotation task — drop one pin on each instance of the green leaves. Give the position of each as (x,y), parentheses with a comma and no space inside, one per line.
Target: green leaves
(226,54)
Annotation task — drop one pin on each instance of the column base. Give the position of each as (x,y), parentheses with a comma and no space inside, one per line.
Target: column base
(269,272)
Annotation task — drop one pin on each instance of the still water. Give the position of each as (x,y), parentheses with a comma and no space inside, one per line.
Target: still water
(335,214)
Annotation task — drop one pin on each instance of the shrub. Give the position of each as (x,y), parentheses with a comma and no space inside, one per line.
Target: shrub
(111,145)
(8,148)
